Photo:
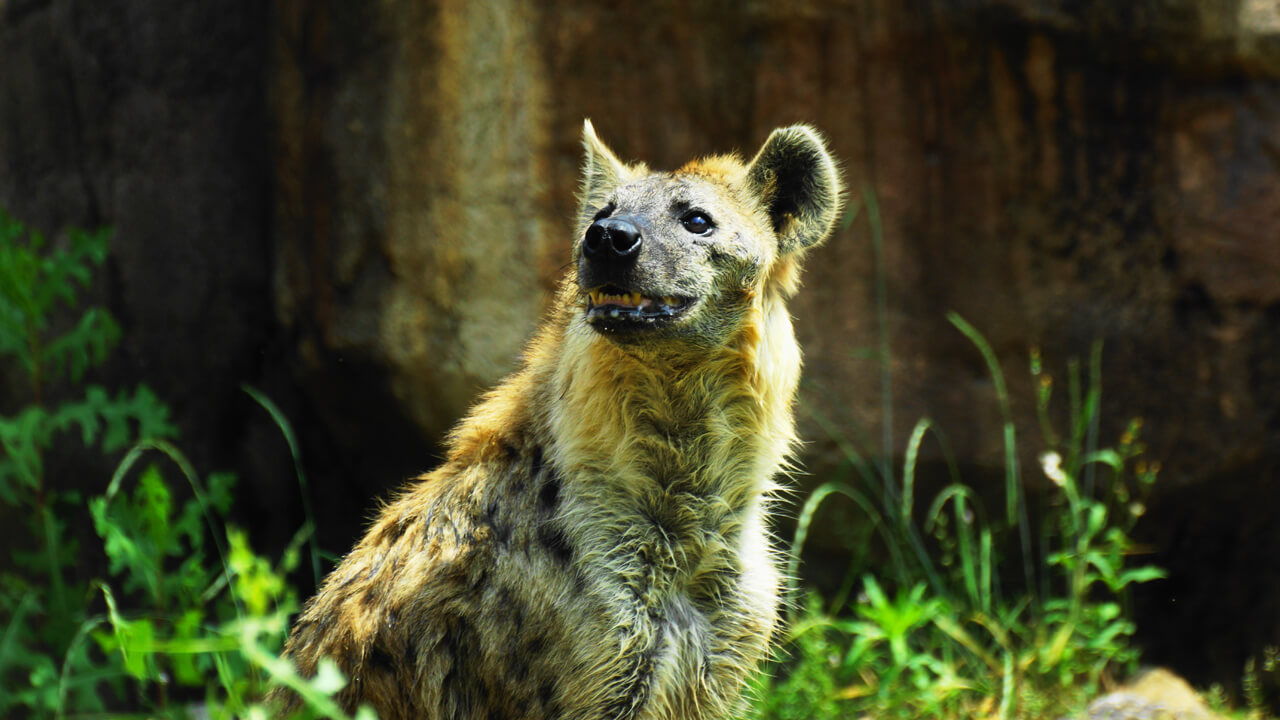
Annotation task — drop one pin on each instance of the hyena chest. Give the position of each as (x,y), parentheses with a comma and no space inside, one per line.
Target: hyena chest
(683,673)
(675,660)
(677,639)
(646,597)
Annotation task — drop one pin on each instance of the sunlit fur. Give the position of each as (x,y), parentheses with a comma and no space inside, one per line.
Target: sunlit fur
(595,544)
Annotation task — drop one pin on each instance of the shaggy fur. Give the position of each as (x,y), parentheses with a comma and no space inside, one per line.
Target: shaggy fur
(595,544)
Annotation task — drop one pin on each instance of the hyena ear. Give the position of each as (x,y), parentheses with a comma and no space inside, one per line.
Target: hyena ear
(796,181)
(602,171)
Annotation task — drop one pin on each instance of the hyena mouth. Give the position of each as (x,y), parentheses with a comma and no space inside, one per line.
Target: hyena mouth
(610,305)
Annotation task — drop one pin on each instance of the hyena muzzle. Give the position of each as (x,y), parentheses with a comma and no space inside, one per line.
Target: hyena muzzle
(595,544)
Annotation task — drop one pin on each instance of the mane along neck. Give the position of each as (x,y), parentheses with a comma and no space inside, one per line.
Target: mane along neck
(712,422)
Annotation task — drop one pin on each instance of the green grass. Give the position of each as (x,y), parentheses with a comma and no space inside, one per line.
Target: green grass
(936,628)
(950,608)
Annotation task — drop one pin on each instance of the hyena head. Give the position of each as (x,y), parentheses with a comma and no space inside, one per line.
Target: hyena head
(680,256)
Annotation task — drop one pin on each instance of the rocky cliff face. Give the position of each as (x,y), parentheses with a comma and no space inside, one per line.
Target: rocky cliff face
(149,117)
(363,208)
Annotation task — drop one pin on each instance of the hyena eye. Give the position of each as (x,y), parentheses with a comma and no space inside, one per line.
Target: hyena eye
(697,222)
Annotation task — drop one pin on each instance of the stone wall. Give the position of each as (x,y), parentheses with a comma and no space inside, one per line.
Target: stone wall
(362,208)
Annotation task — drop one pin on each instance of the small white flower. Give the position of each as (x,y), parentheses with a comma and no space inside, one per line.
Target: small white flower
(1052,464)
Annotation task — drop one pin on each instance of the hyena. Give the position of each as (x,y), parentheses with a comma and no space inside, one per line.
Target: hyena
(595,544)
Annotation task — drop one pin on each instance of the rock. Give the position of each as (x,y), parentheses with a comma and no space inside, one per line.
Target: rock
(410,164)
(1156,694)
(150,117)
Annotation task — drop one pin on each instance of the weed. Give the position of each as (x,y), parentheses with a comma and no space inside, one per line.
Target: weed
(937,626)
(44,602)
(191,620)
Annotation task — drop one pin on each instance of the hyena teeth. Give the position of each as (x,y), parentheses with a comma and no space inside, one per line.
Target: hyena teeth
(632,305)
(634,300)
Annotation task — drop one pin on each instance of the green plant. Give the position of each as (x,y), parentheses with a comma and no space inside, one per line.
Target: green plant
(1258,683)
(41,596)
(951,641)
(35,281)
(808,682)
(1018,611)
(193,616)
(212,623)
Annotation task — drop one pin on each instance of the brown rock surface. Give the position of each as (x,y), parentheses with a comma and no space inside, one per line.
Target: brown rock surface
(1156,694)
(409,166)
(149,117)
(1056,172)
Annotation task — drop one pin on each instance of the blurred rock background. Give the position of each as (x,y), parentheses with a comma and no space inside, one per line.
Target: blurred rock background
(361,208)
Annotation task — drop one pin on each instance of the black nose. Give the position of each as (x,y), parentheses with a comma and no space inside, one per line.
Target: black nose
(611,238)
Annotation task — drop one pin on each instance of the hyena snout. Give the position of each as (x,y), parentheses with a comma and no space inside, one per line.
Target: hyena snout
(612,243)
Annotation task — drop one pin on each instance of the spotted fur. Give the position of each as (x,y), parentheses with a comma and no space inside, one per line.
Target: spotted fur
(594,546)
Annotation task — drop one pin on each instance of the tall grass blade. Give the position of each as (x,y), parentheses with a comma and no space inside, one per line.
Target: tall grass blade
(905,524)
(806,518)
(1002,395)
(64,677)
(1044,394)
(985,565)
(1076,400)
(166,448)
(909,468)
(1006,688)
(292,440)
(971,559)
(1095,415)
(1015,500)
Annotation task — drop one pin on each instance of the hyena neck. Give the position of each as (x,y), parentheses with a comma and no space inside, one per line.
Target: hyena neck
(692,442)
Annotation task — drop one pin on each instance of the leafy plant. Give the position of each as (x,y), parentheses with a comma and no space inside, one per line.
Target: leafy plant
(954,609)
(45,603)
(215,625)
(36,281)
(194,620)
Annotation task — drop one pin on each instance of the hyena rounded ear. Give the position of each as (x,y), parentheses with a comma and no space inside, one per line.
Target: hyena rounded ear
(602,171)
(797,182)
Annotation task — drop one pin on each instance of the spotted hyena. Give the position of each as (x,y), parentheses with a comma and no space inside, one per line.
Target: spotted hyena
(595,545)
